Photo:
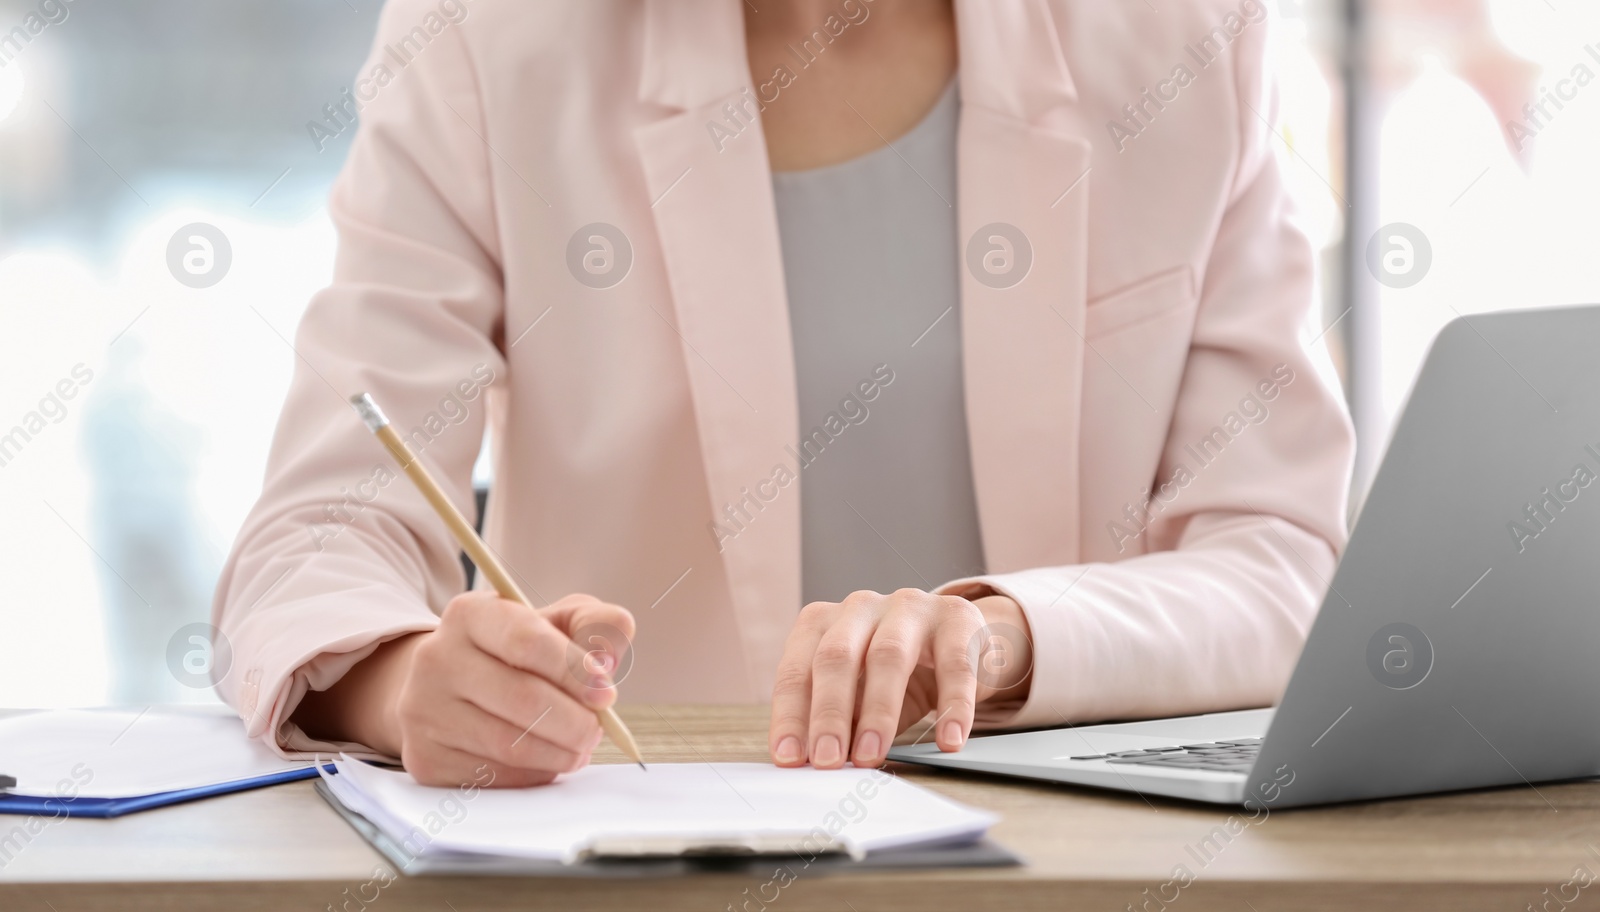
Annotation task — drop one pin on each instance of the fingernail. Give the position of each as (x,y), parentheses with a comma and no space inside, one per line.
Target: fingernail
(789,750)
(867,747)
(599,692)
(605,663)
(952,733)
(827,752)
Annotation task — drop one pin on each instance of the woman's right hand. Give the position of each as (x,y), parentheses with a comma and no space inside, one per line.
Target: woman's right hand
(497,685)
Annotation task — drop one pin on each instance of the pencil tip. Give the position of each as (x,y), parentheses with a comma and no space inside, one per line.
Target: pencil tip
(642,766)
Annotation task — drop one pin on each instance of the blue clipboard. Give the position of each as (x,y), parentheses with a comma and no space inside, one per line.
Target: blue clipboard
(102,808)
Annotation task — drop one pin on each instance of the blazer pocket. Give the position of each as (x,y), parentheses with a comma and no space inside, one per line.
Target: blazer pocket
(1145,299)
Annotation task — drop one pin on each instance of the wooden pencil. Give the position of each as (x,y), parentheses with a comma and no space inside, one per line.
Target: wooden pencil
(485,559)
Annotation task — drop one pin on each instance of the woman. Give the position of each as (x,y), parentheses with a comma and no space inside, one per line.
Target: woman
(771,304)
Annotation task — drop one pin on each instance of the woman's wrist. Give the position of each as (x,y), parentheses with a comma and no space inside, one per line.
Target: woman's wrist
(1005,659)
(362,706)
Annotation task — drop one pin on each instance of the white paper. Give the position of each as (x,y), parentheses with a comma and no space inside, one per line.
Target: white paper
(122,754)
(864,810)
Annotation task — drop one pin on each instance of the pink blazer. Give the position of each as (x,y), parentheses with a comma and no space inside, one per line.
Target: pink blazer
(1161,465)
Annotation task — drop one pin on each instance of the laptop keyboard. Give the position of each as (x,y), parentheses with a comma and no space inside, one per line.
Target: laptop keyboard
(1236,756)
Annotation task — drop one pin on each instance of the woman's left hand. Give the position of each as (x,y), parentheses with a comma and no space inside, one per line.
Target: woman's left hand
(856,673)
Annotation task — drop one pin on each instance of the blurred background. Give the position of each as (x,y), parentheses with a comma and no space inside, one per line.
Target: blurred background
(162,226)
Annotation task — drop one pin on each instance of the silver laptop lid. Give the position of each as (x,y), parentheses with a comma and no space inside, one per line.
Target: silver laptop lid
(1456,647)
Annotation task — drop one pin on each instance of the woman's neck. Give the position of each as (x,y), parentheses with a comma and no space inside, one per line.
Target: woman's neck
(788,20)
(838,78)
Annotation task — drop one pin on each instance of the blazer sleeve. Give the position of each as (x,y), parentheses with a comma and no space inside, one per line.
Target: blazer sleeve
(1213,616)
(341,552)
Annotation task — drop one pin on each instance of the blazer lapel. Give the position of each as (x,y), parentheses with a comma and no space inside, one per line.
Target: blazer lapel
(711,199)
(1024,200)
(1023,205)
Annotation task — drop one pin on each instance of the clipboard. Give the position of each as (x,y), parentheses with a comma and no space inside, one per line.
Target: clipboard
(104,808)
(722,860)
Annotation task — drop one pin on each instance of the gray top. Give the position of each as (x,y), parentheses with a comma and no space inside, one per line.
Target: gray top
(870,258)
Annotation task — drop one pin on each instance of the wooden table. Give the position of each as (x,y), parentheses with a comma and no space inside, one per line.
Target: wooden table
(284,849)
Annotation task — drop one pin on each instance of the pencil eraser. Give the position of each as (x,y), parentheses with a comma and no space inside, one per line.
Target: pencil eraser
(369,411)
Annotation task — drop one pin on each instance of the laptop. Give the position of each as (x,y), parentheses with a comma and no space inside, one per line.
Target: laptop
(1456,646)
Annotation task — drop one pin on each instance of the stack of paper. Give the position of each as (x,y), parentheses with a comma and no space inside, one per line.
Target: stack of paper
(103,763)
(622,810)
